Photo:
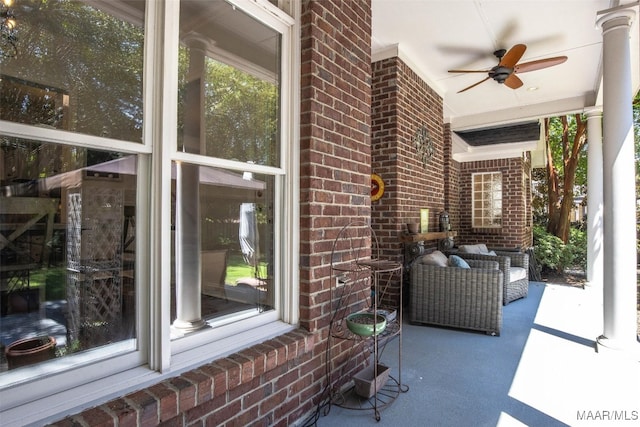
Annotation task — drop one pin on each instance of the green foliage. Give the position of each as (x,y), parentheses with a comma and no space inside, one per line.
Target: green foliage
(240,112)
(552,254)
(547,248)
(86,54)
(53,279)
(237,268)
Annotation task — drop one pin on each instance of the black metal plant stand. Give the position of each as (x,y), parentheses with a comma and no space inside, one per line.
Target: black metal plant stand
(360,282)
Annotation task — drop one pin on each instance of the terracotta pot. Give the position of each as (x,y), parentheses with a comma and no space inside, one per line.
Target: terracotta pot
(30,350)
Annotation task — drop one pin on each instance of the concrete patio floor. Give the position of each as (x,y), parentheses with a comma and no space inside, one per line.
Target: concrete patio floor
(542,371)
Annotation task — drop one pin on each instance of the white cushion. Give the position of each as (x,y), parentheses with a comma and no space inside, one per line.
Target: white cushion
(480,248)
(517,273)
(436,258)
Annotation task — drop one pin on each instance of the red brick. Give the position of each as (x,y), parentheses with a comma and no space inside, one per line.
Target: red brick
(272,401)
(98,417)
(168,399)
(126,414)
(204,385)
(147,407)
(186,393)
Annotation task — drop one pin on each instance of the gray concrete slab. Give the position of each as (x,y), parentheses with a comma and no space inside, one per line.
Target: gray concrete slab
(542,371)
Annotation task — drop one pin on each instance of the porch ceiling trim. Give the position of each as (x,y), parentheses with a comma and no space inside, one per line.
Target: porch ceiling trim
(463,152)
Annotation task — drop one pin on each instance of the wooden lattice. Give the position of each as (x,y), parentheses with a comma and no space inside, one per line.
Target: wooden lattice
(94,250)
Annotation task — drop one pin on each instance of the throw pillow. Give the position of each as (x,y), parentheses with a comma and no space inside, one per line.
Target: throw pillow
(436,258)
(456,261)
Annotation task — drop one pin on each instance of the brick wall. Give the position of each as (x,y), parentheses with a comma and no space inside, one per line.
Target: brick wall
(452,181)
(516,212)
(280,382)
(401,104)
(335,166)
(334,140)
(265,385)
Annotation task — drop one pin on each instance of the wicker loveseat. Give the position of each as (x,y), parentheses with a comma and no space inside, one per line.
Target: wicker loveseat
(467,298)
(514,267)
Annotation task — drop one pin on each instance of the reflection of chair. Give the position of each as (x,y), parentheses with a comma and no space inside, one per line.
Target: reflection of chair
(214,272)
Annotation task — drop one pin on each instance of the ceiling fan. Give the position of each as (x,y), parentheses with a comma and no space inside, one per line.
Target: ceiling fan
(507,68)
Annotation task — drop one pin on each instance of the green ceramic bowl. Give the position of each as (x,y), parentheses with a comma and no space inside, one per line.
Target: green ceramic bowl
(362,323)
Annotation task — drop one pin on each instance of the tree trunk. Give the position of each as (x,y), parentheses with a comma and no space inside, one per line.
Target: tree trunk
(553,187)
(561,199)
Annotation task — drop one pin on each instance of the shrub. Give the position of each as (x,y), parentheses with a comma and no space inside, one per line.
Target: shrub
(547,248)
(553,254)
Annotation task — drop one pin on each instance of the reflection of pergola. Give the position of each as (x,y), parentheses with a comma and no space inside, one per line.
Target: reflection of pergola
(127,166)
(35,209)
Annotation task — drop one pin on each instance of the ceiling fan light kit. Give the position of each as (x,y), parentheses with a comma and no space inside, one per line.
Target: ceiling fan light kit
(507,68)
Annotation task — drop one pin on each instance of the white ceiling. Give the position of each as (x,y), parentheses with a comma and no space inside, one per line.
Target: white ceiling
(433,36)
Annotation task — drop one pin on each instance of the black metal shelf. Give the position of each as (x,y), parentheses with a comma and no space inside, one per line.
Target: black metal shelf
(360,282)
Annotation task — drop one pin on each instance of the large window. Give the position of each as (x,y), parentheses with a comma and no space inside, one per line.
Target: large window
(487,200)
(141,220)
(68,195)
(228,115)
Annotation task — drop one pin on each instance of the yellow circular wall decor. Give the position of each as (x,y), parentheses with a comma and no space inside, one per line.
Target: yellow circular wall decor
(377,187)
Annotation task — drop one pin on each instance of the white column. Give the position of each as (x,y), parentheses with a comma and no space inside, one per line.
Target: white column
(594,198)
(188,264)
(619,186)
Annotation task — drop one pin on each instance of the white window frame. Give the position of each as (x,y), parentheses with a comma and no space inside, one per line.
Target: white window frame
(122,370)
(481,198)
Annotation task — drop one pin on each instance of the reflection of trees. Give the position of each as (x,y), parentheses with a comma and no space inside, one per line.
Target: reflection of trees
(96,60)
(91,55)
(25,102)
(240,113)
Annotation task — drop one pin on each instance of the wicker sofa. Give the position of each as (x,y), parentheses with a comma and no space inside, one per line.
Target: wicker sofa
(514,267)
(466,298)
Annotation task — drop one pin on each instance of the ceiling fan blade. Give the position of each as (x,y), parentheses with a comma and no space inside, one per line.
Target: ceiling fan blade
(511,58)
(539,64)
(474,85)
(513,82)
(468,71)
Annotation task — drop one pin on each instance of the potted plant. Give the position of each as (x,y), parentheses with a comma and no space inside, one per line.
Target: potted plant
(28,351)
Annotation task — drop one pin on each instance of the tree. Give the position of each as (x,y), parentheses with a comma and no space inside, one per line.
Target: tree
(565,139)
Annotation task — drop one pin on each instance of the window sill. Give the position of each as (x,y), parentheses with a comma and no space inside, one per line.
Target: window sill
(197,371)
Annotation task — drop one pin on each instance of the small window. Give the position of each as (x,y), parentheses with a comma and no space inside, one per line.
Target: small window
(487,200)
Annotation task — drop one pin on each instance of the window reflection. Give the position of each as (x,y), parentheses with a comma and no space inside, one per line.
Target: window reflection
(229,94)
(79,67)
(228,108)
(67,224)
(235,238)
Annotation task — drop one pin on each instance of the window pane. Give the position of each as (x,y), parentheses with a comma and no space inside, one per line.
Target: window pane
(235,239)
(487,199)
(66,258)
(229,93)
(76,66)
(497,183)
